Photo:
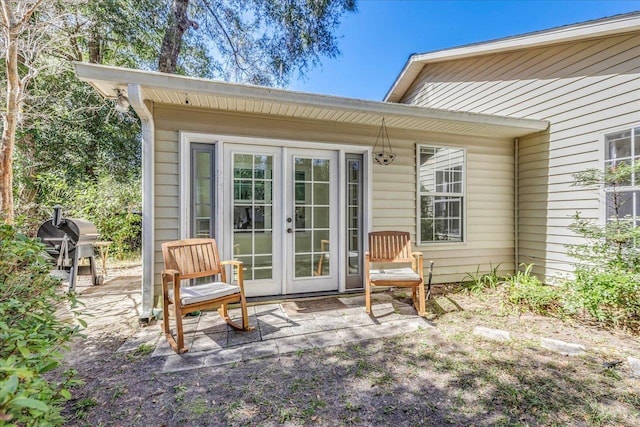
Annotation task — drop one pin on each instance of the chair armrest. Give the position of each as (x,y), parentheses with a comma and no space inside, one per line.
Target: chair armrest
(232,262)
(240,271)
(173,276)
(418,263)
(172,273)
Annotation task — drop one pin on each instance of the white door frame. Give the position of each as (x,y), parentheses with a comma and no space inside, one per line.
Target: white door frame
(306,283)
(263,287)
(221,140)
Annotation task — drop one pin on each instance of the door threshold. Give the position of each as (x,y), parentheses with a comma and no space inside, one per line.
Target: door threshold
(303,295)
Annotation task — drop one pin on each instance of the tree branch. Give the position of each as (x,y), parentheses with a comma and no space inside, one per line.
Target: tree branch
(236,52)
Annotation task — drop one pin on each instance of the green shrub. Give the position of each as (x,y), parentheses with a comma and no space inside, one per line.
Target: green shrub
(525,291)
(476,282)
(115,210)
(114,207)
(31,335)
(611,296)
(606,283)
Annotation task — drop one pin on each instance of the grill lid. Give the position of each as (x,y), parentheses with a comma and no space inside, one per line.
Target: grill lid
(77,232)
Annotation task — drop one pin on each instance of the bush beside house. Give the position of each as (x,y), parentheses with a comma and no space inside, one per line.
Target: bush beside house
(31,335)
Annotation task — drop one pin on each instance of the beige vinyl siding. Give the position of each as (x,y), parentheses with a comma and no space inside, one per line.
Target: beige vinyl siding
(167,190)
(489,197)
(584,89)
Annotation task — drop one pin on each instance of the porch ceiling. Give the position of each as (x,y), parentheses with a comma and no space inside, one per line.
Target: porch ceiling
(172,89)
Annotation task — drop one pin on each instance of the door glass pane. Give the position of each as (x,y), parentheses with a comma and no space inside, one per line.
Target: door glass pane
(321,194)
(202,190)
(354,221)
(321,217)
(312,197)
(252,214)
(321,170)
(303,241)
(304,265)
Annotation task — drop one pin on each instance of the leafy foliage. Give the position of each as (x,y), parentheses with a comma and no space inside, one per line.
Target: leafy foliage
(477,282)
(611,297)
(526,291)
(617,242)
(31,335)
(74,131)
(606,285)
(116,211)
(264,41)
(114,208)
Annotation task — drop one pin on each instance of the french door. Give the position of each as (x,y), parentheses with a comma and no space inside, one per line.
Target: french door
(281,216)
(312,208)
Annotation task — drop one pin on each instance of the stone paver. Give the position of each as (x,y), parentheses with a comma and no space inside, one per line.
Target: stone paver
(565,348)
(182,362)
(293,344)
(492,334)
(282,329)
(634,364)
(259,349)
(279,329)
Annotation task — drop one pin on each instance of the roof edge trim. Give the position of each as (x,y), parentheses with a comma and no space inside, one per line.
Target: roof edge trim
(117,77)
(619,24)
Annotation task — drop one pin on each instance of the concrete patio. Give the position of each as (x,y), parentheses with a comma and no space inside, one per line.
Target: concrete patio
(280,328)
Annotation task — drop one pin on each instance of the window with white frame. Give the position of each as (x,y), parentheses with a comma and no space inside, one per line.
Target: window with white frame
(441,194)
(623,202)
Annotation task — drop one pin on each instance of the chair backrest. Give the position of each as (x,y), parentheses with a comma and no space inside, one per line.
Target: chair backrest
(193,258)
(390,246)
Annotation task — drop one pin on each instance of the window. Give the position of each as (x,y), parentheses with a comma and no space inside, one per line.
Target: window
(440,194)
(202,190)
(623,202)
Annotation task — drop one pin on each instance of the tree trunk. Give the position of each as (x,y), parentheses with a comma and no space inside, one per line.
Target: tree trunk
(10,122)
(95,47)
(11,29)
(172,42)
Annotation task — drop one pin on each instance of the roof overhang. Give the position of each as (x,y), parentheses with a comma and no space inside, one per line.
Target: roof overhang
(591,29)
(162,88)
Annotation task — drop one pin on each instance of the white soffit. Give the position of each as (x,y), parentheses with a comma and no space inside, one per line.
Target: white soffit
(162,88)
(627,23)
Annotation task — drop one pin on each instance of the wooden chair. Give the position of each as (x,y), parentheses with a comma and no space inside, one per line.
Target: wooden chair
(192,259)
(324,246)
(394,247)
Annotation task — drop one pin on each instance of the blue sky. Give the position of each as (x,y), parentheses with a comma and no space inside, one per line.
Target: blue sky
(377,41)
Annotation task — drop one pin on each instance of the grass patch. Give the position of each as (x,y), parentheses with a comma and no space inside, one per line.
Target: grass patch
(140,352)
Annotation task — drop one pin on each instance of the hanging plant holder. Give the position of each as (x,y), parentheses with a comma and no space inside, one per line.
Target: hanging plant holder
(383,157)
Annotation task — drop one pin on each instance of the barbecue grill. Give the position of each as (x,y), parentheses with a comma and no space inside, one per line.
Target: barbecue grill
(68,241)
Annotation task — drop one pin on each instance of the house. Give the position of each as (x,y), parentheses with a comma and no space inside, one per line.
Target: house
(485,139)
(584,80)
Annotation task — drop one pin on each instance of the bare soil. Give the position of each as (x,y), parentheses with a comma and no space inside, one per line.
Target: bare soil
(441,376)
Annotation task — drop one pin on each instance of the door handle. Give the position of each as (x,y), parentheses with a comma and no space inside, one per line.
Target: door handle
(289,230)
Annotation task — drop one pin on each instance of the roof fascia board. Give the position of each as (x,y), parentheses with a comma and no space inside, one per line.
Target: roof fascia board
(592,29)
(544,38)
(120,77)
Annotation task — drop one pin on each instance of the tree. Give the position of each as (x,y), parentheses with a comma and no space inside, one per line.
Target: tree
(259,41)
(172,42)
(16,21)
(606,281)
(60,127)
(66,128)
(616,243)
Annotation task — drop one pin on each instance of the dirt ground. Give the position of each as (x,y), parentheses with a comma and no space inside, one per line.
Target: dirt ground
(439,376)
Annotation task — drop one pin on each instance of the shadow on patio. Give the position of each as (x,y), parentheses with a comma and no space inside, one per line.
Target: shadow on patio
(281,327)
